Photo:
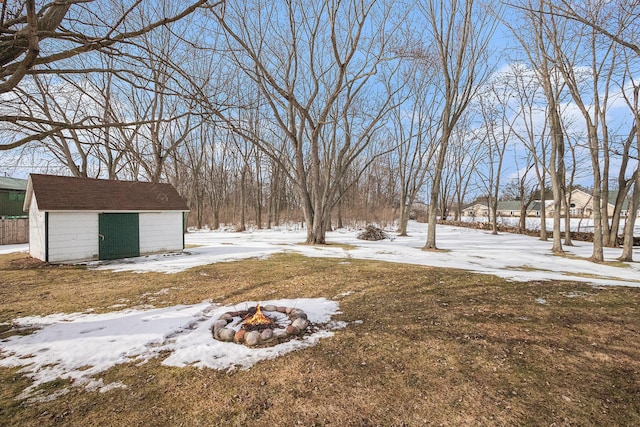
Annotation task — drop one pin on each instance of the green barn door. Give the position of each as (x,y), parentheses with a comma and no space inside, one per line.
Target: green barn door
(119,235)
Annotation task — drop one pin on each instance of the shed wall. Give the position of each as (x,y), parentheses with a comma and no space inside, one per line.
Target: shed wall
(36,231)
(73,236)
(160,232)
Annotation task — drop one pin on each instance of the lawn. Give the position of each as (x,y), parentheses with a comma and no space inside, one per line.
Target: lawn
(422,346)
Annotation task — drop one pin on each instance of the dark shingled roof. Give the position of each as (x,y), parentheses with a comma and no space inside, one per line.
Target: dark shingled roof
(64,193)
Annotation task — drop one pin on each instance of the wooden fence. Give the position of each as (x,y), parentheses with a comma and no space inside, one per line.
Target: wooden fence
(14,231)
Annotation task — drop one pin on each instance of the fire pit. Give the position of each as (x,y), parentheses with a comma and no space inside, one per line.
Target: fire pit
(256,326)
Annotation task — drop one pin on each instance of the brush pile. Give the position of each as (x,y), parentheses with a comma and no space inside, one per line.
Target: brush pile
(373,233)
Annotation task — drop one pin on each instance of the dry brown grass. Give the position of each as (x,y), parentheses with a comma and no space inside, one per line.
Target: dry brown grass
(435,347)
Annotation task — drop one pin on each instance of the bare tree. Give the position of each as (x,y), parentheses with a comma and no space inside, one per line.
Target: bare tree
(614,19)
(217,147)
(496,132)
(315,66)
(595,85)
(245,152)
(46,102)
(189,179)
(65,26)
(625,178)
(522,188)
(533,36)
(413,128)
(280,188)
(617,21)
(87,150)
(528,107)
(633,101)
(460,32)
(464,158)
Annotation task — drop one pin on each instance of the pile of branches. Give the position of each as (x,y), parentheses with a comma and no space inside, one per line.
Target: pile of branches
(373,233)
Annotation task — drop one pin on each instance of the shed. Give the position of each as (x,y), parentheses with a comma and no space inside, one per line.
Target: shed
(82,219)
(12,191)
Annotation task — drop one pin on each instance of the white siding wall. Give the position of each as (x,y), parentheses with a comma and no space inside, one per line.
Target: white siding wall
(160,232)
(36,231)
(73,236)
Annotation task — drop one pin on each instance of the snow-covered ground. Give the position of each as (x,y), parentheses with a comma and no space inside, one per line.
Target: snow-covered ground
(507,255)
(80,346)
(532,223)
(511,256)
(7,249)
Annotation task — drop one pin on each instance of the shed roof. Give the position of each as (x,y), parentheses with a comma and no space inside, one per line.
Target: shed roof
(64,193)
(7,183)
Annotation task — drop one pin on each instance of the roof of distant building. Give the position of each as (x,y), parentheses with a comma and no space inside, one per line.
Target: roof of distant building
(7,183)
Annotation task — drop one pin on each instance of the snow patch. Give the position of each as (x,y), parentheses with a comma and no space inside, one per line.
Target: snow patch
(80,346)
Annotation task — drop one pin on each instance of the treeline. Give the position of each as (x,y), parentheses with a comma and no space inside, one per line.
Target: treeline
(243,190)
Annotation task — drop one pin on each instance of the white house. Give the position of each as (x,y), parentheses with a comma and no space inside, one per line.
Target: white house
(581,205)
(82,219)
(509,208)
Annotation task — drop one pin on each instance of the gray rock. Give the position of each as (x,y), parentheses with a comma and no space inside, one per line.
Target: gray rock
(300,323)
(292,330)
(226,334)
(270,307)
(219,324)
(252,338)
(279,333)
(266,335)
(298,314)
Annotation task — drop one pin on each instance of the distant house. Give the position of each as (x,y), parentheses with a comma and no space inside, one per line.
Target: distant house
(624,211)
(509,208)
(475,210)
(581,205)
(81,219)
(12,193)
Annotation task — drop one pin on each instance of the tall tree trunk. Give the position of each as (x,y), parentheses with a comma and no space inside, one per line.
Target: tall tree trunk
(432,220)
(460,36)
(543,218)
(403,216)
(522,221)
(624,185)
(634,205)
(258,190)
(492,203)
(567,220)
(216,218)
(556,170)
(598,249)
(242,226)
